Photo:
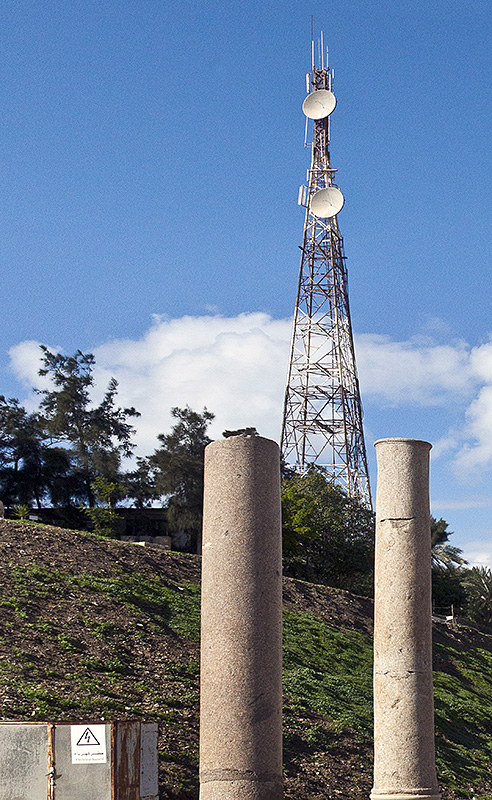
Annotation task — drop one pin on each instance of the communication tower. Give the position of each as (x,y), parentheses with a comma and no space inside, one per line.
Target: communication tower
(322,422)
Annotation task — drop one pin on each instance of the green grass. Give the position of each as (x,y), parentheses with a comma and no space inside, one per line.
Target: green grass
(327,671)
(463,710)
(176,607)
(104,680)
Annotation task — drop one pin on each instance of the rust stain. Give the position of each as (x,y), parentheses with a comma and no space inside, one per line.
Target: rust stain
(113,792)
(127,760)
(51,762)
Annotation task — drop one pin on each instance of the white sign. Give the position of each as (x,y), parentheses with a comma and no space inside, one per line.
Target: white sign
(88,744)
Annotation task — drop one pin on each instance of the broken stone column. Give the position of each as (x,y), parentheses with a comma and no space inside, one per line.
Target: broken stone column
(404,756)
(241,640)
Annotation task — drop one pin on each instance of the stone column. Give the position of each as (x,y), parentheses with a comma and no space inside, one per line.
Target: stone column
(241,640)
(404,756)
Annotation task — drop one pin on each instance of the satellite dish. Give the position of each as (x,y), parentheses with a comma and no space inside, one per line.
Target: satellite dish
(327,202)
(319,104)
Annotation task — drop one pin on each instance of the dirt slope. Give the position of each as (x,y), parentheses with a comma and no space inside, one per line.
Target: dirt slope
(92,628)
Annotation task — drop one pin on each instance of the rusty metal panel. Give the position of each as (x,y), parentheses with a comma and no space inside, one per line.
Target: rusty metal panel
(81,781)
(40,761)
(127,761)
(149,768)
(51,761)
(23,761)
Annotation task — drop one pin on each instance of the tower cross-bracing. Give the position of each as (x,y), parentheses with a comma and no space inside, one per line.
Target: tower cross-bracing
(322,422)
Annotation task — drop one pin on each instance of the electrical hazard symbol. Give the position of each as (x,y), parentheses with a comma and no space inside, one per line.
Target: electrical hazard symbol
(87,738)
(88,744)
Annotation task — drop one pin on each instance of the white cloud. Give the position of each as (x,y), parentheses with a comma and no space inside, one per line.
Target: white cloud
(421,373)
(476,451)
(481,361)
(236,367)
(25,362)
(461,505)
(478,552)
(446,444)
(414,371)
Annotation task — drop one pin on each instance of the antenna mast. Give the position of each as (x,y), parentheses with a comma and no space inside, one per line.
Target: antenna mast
(322,422)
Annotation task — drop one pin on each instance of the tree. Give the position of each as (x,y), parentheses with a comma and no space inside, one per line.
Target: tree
(178,470)
(21,445)
(477,582)
(95,437)
(328,537)
(30,469)
(447,570)
(102,517)
(139,484)
(444,555)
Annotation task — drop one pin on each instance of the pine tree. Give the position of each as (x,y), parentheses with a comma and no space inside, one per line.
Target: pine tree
(96,437)
(178,470)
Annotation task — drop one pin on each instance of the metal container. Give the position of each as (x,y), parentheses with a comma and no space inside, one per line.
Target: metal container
(78,761)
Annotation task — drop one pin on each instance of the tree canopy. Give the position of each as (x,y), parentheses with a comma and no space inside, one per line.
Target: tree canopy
(73,450)
(477,582)
(96,438)
(444,555)
(328,537)
(178,469)
(22,454)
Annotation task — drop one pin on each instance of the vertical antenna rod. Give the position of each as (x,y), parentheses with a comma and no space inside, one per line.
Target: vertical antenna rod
(322,421)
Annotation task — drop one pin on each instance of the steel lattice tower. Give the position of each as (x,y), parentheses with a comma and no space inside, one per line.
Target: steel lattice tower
(322,422)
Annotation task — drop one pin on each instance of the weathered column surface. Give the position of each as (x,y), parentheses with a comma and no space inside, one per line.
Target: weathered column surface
(404,756)
(241,642)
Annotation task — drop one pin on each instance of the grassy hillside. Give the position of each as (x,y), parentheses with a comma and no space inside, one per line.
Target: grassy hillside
(93,629)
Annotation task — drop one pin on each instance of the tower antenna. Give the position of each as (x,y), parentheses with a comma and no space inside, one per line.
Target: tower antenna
(313,64)
(322,421)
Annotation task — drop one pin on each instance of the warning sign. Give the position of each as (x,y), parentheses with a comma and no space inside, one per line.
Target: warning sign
(88,744)
(87,738)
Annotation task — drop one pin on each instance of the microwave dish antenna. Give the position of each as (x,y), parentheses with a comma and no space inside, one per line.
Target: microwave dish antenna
(327,202)
(319,104)
(322,421)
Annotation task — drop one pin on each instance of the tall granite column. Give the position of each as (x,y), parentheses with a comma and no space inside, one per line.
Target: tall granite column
(404,756)
(241,641)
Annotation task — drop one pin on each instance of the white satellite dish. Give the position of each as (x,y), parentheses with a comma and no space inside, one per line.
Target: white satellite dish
(327,202)
(319,104)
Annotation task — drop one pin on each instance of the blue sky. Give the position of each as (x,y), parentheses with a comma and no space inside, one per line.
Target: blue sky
(151,155)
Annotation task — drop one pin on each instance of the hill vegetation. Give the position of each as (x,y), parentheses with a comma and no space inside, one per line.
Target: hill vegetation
(68,458)
(93,628)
